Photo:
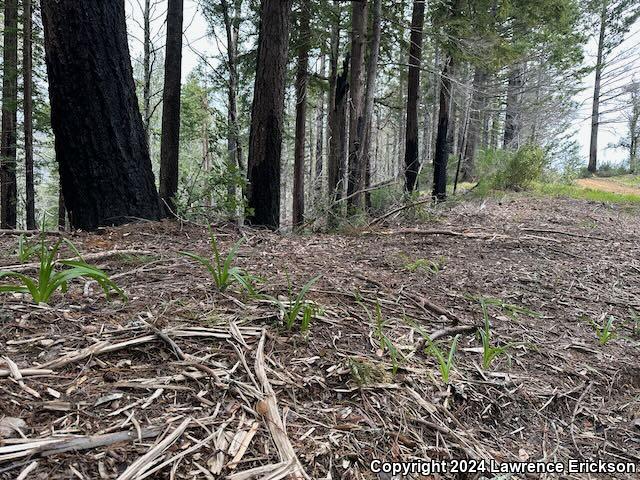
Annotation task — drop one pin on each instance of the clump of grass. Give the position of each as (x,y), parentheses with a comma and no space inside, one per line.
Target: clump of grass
(26,250)
(489,352)
(53,274)
(512,310)
(221,269)
(297,308)
(364,372)
(379,325)
(604,332)
(430,266)
(445,362)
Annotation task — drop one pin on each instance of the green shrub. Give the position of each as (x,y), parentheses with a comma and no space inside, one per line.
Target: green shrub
(512,170)
(609,170)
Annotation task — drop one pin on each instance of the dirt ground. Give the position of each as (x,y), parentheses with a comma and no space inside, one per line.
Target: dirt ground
(177,373)
(608,185)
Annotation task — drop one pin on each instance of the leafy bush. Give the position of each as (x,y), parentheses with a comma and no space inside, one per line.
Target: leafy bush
(49,279)
(609,170)
(512,170)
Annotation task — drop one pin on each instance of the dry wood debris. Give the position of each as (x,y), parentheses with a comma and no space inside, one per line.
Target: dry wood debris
(183,382)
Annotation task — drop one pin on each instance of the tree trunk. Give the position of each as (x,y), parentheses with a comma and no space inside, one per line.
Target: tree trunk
(595,113)
(170,144)
(478,106)
(357,167)
(234,147)
(442,146)
(8,184)
(369,97)
(512,121)
(336,121)
(411,160)
(27,69)
(62,211)
(302,80)
(265,142)
(146,67)
(100,143)
(320,135)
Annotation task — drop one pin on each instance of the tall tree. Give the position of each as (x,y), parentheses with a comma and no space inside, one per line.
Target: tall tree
(337,116)
(615,20)
(357,166)
(8,184)
(441,157)
(170,144)
(302,80)
(446,17)
(411,160)
(512,122)
(265,138)
(27,72)
(366,126)
(477,107)
(232,30)
(100,142)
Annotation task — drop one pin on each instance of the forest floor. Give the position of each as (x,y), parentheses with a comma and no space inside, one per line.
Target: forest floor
(182,381)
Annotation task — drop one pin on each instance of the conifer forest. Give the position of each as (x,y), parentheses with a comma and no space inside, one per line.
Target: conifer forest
(319,239)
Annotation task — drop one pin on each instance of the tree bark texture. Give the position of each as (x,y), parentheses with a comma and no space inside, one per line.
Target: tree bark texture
(302,80)
(100,141)
(357,167)
(265,140)
(170,143)
(411,160)
(8,184)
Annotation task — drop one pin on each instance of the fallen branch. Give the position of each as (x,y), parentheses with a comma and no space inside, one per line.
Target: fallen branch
(566,234)
(145,461)
(446,332)
(268,408)
(399,209)
(26,372)
(54,445)
(5,231)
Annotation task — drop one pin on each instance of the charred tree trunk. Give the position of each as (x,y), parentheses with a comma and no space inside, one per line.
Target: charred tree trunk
(512,121)
(478,105)
(595,113)
(62,211)
(8,153)
(442,146)
(265,143)
(357,167)
(336,119)
(338,157)
(411,160)
(147,70)
(27,69)
(302,80)
(170,143)
(101,148)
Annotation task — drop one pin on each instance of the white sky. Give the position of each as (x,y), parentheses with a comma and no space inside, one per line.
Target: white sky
(196,42)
